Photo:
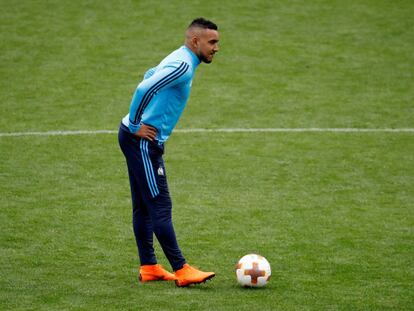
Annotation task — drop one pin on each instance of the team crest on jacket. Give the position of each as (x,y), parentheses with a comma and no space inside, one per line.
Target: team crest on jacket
(160,171)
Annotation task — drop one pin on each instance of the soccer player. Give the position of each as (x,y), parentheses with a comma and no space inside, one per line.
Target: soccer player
(155,108)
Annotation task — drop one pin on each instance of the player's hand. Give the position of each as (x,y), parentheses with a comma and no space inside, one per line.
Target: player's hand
(147,132)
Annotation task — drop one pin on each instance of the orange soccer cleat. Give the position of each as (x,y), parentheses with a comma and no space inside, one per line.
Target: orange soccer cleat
(188,275)
(149,273)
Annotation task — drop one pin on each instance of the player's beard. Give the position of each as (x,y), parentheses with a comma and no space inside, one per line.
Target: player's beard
(204,59)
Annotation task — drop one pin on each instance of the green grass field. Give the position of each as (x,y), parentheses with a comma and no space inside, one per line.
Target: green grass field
(333,212)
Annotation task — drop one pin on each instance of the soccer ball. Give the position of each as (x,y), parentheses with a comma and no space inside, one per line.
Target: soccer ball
(253,271)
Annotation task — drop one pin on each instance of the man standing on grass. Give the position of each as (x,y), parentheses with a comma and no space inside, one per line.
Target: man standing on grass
(156,106)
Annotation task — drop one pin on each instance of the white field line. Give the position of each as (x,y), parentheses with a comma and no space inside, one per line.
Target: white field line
(220,130)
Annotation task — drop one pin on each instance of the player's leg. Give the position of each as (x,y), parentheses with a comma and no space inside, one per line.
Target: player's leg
(140,218)
(149,269)
(141,222)
(160,208)
(159,203)
(142,225)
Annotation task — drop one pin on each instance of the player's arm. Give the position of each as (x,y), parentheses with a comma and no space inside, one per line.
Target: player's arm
(169,76)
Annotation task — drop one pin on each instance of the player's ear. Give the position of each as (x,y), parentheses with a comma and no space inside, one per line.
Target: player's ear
(194,41)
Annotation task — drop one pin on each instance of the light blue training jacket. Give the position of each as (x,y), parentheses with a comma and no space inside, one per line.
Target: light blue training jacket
(160,99)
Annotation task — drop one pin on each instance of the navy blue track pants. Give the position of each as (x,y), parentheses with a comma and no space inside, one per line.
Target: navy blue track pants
(151,202)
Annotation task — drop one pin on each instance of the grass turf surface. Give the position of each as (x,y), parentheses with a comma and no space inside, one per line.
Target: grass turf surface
(332,212)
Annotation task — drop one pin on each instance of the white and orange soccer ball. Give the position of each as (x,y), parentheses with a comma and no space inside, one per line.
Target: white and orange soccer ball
(253,271)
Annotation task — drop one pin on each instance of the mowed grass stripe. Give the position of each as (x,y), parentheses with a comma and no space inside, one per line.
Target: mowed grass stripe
(220,130)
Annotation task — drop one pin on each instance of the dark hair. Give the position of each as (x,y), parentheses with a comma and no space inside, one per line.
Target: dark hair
(203,23)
